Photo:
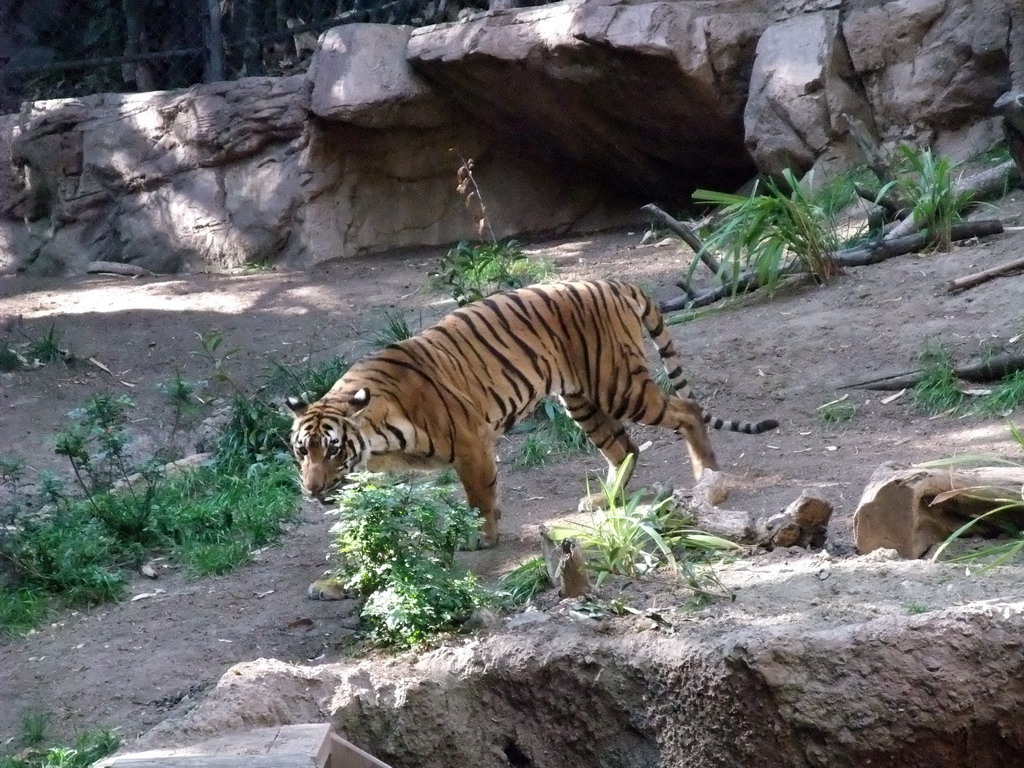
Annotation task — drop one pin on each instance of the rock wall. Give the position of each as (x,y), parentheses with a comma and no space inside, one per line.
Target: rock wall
(574,113)
(912,692)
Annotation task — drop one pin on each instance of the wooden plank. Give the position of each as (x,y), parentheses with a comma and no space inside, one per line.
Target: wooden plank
(345,754)
(289,746)
(211,761)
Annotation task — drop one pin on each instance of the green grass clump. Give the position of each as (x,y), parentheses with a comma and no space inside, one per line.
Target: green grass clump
(1008,506)
(926,181)
(835,413)
(471,272)
(938,391)
(524,582)
(771,231)
(395,545)
(631,538)
(551,432)
(90,747)
(47,348)
(395,329)
(1005,397)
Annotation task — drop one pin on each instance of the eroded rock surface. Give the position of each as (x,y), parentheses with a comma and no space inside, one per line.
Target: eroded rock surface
(848,679)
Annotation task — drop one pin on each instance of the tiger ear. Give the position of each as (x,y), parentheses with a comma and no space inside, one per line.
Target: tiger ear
(360,399)
(297,405)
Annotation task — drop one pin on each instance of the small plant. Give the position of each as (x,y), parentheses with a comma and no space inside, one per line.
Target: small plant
(937,392)
(181,396)
(630,538)
(915,608)
(524,582)
(772,232)
(80,553)
(90,747)
(47,348)
(396,328)
(836,412)
(10,360)
(395,546)
(928,185)
(472,272)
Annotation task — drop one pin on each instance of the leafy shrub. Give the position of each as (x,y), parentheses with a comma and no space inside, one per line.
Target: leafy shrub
(771,231)
(472,272)
(927,182)
(632,538)
(395,545)
(937,392)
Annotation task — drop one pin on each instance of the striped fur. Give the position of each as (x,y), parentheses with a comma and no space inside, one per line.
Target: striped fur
(445,395)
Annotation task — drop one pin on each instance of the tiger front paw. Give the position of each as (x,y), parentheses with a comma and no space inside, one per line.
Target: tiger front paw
(595,502)
(327,589)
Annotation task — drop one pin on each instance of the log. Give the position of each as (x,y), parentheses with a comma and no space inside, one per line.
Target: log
(860,256)
(898,209)
(889,247)
(687,235)
(992,369)
(913,509)
(117,268)
(572,576)
(969,281)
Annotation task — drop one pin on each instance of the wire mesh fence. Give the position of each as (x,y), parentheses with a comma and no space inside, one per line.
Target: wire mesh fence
(62,48)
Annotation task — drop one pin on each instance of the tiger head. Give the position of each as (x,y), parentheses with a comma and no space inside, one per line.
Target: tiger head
(327,441)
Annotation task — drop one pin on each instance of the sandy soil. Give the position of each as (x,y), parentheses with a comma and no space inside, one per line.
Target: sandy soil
(128,665)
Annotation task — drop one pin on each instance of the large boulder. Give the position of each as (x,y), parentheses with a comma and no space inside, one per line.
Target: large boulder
(573,113)
(932,69)
(801,88)
(646,97)
(360,156)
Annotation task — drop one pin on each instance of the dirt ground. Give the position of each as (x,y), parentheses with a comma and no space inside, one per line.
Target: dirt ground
(127,665)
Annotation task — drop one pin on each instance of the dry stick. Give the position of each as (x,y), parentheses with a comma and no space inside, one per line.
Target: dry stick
(868,147)
(969,281)
(993,369)
(688,236)
(897,208)
(852,257)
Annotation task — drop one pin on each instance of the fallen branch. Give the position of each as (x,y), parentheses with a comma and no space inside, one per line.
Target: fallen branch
(859,256)
(969,281)
(898,209)
(992,369)
(687,235)
(117,268)
(869,148)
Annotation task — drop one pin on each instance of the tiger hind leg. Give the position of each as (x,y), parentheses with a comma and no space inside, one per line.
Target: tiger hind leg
(611,439)
(684,417)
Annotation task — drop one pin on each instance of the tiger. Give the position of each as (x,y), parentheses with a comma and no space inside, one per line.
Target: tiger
(445,395)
